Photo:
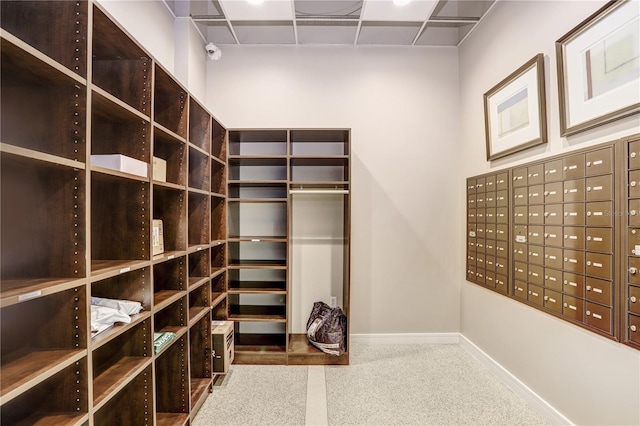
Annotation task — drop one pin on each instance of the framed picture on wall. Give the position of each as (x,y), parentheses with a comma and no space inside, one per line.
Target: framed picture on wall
(599,68)
(515,114)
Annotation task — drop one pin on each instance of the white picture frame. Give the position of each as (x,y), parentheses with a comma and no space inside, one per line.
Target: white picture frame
(515,111)
(599,68)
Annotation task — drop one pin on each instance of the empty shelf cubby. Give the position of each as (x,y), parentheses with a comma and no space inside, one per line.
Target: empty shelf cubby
(53,103)
(115,55)
(172,384)
(199,126)
(52,27)
(61,396)
(43,225)
(258,142)
(198,219)
(169,281)
(218,219)
(218,141)
(199,269)
(170,103)
(132,405)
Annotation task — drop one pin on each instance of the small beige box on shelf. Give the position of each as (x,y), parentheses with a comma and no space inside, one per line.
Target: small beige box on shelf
(222,333)
(159,169)
(157,238)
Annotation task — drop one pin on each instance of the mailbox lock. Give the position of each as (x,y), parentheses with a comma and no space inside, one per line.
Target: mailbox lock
(588,188)
(546,172)
(588,288)
(588,238)
(633,270)
(566,213)
(566,259)
(633,231)
(565,304)
(633,212)
(546,193)
(546,298)
(565,168)
(588,263)
(588,312)
(632,155)
(633,299)
(546,235)
(566,236)
(566,282)
(633,183)
(588,163)
(546,214)
(588,213)
(529,175)
(633,328)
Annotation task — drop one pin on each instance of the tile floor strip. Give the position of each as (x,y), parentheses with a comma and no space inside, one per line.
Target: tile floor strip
(316,414)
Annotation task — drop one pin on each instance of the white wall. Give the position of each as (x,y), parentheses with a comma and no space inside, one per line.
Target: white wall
(150,22)
(402,107)
(590,379)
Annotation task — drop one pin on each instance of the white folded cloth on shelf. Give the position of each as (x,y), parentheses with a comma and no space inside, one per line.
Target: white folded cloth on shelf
(127,307)
(106,312)
(103,317)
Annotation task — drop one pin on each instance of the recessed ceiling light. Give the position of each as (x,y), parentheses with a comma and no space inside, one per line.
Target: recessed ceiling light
(258,1)
(401,2)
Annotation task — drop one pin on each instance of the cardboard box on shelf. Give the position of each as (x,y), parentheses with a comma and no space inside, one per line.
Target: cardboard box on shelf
(222,333)
(159,169)
(157,238)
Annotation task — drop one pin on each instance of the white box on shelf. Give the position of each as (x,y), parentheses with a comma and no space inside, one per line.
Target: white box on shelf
(121,163)
(157,238)
(159,169)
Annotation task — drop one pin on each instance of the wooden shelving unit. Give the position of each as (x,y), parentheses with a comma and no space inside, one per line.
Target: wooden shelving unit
(73,230)
(263,166)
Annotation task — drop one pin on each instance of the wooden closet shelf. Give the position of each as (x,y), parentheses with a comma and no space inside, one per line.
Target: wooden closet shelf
(178,330)
(102,269)
(115,175)
(111,105)
(58,419)
(171,419)
(117,329)
(157,127)
(257,318)
(168,185)
(168,255)
(257,239)
(196,282)
(199,390)
(217,298)
(196,313)
(18,291)
(30,156)
(257,264)
(257,200)
(257,290)
(37,66)
(116,377)
(164,298)
(27,367)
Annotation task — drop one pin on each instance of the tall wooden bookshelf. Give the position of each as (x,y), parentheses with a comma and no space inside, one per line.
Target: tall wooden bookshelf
(74,84)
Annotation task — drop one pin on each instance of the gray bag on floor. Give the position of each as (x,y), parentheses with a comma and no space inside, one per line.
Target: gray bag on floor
(327,329)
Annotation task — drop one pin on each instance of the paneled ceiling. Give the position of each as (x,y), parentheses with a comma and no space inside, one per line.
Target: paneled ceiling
(346,22)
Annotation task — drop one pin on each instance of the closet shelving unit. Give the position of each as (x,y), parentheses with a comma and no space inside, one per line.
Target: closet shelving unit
(264,168)
(72,230)
(257,239)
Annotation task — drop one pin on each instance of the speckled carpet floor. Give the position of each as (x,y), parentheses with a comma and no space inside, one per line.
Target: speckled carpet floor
(384,385)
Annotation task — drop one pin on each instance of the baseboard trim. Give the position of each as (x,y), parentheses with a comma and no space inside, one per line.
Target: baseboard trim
(534,400)
(406,338)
